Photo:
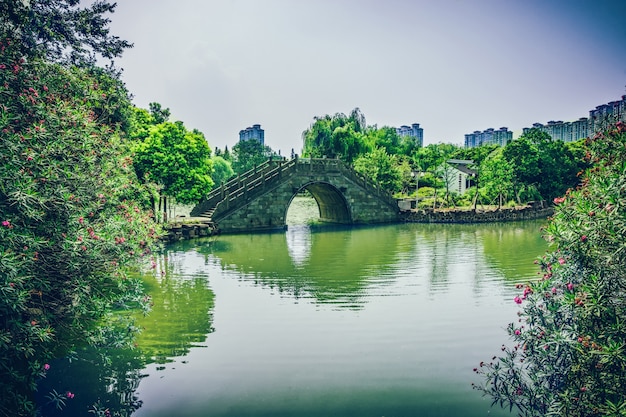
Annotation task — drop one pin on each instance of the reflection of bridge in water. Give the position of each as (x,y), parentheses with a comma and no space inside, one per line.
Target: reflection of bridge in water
(258,199)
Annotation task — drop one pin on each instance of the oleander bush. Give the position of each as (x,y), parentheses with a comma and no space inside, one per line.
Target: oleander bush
(73,217)
(568,352)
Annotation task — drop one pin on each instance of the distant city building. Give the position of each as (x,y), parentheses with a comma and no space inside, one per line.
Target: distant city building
(607,113)
(255,132)
(564,131)
(414,131)
(584,127)
(490,136)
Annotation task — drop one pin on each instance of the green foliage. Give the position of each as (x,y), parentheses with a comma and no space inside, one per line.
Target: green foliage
(542,168)
(61,30)
(158,114)
(382,168)
(247,154)
(496,178)
(222,170)
(431,157)
(73,215)
(175,158)
(569,351)
(388,138)
(477,154)
(337,136)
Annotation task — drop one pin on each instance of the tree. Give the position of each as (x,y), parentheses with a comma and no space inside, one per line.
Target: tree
(430,158)
(159,114)
(449,176)
(568,356)
(496,177)
(523,156)
(558,167)
(73,216)
(542,168)
(337,136)
(222,170)
(382,168)
(61,30)
(387,138)
(177,159)
(247,154)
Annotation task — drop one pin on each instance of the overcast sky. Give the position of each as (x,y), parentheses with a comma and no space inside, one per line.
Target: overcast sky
(454,66)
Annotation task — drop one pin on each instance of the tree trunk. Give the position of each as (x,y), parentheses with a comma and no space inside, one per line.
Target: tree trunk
(164,209)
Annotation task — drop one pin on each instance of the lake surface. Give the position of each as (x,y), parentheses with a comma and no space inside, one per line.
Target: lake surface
(370,321)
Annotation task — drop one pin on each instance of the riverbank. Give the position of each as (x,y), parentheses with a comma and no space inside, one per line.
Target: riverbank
(183,228)
(492,215)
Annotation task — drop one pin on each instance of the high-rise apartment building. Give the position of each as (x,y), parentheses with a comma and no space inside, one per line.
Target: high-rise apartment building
(255,132)
(414,131)
(490,136)
(585,127)
(607,113)
(564,131)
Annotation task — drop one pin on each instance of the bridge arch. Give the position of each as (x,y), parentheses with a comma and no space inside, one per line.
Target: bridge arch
(331,202)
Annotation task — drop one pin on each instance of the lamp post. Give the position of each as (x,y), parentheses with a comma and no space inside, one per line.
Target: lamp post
(416,174)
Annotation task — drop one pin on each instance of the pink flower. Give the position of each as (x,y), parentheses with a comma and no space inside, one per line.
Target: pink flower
(570,286)
(517,300)
(6,223)
(46,367)
(583,238)
(517,332)
(69,394)
(559,200)
(561,261)
(553,290)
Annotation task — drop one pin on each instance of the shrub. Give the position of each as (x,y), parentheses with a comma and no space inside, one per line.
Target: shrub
(71,215)
(568,355)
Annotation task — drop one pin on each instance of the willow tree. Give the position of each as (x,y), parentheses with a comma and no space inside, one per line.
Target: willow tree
(338,136)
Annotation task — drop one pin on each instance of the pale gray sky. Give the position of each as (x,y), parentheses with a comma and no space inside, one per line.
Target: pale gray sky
(454,66)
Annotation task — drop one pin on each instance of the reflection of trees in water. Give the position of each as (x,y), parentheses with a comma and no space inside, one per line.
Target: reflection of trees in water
(512,248)
(108,377)
(482,250)
(181,318)
(333,265)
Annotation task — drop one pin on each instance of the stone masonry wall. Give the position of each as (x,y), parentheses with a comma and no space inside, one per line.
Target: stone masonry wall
(502,215)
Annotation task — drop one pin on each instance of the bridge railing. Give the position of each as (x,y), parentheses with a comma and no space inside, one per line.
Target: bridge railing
(254,185)
(232,186)
(243,187)
(368,184)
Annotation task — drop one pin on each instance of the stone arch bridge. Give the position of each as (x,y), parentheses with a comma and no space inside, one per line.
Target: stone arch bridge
(258,200)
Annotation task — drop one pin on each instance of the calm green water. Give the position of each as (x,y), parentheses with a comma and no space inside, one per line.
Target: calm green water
(378,321)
